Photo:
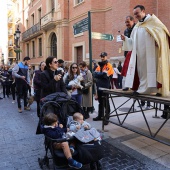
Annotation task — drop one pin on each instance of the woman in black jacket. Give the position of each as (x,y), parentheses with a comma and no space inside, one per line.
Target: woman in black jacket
(37,85)
(51,79)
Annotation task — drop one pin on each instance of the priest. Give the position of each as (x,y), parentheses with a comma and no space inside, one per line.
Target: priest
(149,68)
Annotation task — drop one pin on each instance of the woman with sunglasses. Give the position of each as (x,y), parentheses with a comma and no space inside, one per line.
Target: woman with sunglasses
(76,94)
(51,79)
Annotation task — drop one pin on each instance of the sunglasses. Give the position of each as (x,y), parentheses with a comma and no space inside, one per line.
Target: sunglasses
(102,56)
(55,62)
(74,67)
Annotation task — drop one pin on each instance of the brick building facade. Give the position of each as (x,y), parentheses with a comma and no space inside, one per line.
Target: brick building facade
(47,26)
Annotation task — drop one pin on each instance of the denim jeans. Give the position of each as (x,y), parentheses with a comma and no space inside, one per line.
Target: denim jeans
(22,90)
(77,98)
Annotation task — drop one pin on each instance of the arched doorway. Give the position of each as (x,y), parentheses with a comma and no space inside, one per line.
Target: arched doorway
(53,45)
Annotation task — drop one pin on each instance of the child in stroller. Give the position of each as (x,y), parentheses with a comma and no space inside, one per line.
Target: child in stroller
(78,123)
(82,130)
(54,130)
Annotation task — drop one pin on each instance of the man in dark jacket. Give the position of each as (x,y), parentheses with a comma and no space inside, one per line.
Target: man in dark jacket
(102,74)
(22,79)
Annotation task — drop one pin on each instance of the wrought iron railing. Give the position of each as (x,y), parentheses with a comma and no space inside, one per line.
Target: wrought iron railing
(34,29)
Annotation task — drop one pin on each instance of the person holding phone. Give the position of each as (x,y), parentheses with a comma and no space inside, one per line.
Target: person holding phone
(51,79)
(148,70)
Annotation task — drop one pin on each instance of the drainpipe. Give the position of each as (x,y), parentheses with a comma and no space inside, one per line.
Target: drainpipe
(157,9)
(68,8)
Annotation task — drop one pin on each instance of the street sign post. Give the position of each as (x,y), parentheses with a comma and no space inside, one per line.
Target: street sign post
(100,36)
(80,26)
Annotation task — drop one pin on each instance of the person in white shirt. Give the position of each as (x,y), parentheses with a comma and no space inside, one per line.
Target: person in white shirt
(115,77)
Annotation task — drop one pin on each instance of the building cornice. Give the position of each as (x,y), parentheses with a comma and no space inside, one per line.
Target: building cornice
(92,11)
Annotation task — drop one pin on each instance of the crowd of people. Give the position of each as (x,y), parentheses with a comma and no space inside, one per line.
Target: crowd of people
(53,75)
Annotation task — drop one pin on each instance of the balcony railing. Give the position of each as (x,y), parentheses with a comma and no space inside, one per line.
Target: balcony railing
(34,29)
(47,18)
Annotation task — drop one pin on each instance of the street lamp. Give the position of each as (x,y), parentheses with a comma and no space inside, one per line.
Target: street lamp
(17,37)
(17,32)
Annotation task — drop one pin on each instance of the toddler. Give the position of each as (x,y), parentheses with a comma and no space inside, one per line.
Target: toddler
(78,123)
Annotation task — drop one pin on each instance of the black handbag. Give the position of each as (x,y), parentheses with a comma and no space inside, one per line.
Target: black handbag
(85,90)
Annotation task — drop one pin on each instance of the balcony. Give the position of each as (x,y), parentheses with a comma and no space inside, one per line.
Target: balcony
(32,32)
(11,56)
(10,32)
(10,43)
(49,20)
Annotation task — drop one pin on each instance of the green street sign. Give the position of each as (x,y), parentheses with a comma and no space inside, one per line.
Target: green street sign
(80,26)
(100,36)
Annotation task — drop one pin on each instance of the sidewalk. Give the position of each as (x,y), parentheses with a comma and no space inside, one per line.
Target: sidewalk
(146,150)
(20,147)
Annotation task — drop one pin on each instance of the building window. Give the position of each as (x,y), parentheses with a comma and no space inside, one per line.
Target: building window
(10,53)
(40,46)
(33,49)
(52,4)
(39,15)
(32,17)
(28,50)
(27,23)
(54,45)
(78,2)
(52,7)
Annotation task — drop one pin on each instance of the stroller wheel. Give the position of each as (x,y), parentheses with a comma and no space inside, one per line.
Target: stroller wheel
(95,166)
(99,165)
(46,161)
(92,166)
(41,162)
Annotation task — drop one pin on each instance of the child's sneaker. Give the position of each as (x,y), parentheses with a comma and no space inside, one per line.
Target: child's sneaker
(71,149)
(75,164)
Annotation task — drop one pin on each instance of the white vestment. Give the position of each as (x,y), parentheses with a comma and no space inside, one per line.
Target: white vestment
(144,54)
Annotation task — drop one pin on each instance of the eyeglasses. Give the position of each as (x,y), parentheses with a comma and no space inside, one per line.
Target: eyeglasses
(74,67)
(102,56)
(55,62)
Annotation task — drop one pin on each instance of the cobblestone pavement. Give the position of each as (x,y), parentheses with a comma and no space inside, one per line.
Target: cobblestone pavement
(20,147)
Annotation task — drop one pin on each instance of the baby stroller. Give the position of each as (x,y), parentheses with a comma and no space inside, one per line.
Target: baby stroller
(63,106)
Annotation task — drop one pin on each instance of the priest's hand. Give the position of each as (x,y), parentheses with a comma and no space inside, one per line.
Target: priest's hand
(123,37)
